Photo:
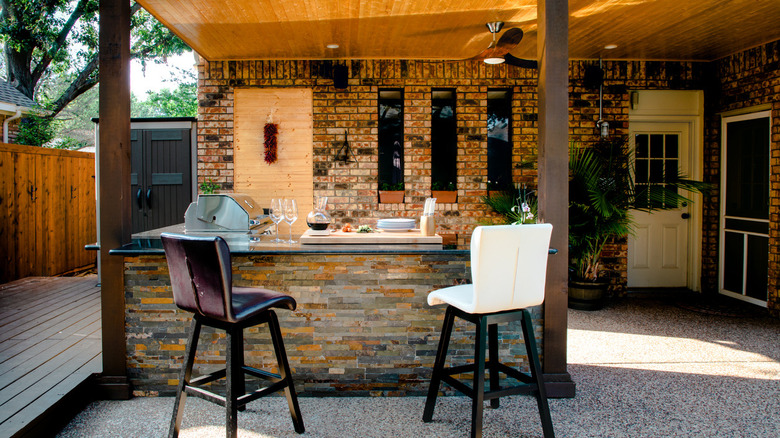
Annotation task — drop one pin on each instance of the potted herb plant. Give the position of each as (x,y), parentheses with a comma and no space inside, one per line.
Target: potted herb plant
(601,194)
(391,193)
(445,193)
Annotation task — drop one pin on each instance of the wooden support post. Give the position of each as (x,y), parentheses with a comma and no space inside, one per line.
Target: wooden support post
(113,179)
(552,49)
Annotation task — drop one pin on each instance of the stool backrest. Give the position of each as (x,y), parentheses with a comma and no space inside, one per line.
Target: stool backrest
(200,274)
(509,266)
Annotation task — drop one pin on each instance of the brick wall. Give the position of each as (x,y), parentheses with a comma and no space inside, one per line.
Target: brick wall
(352,188)
(740,81)
(734,82)
(362,326)
(13,128)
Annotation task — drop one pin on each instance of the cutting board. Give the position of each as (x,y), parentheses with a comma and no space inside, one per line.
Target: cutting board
(413,237)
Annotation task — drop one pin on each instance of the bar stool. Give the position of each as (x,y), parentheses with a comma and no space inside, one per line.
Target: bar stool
(201,278)
(508,272)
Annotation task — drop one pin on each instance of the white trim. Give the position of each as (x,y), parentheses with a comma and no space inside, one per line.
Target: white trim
(692,115)
(746,298)
(184,124)
(724,121)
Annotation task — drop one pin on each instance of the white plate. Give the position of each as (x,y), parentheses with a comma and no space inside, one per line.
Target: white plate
(395,221)
(396,230)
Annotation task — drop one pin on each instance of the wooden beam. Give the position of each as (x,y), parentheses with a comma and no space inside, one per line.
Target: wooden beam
(113,179)
(554,184)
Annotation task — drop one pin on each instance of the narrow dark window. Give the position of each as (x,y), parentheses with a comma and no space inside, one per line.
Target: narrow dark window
(391,140)
(444,140)
(499,124)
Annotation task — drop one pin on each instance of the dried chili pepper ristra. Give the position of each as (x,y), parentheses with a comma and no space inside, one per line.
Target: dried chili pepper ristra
(269,140)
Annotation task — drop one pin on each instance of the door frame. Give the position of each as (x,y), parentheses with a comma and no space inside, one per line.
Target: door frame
(726,118)
(680,107)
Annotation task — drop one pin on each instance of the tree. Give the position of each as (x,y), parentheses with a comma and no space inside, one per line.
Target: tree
(180,102)
(46,39)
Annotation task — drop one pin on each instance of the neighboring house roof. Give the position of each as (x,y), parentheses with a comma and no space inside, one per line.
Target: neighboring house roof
(11,99)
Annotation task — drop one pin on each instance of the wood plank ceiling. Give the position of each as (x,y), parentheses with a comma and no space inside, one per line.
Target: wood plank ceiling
(455,29)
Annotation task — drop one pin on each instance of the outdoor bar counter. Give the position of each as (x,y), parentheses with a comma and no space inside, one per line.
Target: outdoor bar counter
(362,325)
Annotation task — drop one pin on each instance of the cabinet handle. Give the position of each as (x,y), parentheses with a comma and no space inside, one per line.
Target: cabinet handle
(138,199)
(149,198)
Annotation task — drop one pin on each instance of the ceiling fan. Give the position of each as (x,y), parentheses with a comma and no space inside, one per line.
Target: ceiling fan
(498,51)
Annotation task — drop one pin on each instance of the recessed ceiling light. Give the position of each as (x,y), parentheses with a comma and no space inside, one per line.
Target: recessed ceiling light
(610,46)
(332,46)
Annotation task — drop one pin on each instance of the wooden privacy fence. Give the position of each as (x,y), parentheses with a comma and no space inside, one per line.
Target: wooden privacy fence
(47,210)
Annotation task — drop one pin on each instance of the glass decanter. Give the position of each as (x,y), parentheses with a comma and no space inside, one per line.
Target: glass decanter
(318,219)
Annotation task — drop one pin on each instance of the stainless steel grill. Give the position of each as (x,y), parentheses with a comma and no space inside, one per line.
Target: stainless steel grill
(231,212)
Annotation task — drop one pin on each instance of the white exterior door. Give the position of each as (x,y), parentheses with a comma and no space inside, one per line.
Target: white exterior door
(658,253)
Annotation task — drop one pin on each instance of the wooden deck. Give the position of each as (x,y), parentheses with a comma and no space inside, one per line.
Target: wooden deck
(49,348)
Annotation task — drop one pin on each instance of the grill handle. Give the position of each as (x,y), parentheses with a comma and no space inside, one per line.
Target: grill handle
(138,199)
(149,198)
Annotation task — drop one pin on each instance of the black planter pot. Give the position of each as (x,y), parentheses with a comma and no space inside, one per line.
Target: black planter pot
(587,295)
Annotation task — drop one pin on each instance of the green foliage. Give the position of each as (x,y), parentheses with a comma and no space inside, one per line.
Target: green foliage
(35,131)
(515,207)
(384,186)
(208,187)
(180,102)
(601,194)
(441,185)
(51,47)
(69,143)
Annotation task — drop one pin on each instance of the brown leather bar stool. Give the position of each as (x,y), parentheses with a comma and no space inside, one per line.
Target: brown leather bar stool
(201,278)
(508,272)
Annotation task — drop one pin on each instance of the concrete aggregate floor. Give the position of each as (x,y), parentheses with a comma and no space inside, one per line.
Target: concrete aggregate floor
(643,366)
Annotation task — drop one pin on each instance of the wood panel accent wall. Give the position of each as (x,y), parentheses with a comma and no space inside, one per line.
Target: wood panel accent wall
(47,210)
(291,175)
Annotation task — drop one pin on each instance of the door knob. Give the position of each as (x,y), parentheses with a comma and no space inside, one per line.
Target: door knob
(685,215)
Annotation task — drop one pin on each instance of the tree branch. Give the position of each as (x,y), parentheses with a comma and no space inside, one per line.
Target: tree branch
(78,12)
(86,79)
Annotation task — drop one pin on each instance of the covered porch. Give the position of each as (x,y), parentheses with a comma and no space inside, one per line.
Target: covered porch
(250,47)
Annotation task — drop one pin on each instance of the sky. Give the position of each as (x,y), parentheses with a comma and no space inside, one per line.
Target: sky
(158,76)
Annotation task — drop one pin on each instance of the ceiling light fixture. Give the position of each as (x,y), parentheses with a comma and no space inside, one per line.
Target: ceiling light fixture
(494,60)
(610,46)
(332,46)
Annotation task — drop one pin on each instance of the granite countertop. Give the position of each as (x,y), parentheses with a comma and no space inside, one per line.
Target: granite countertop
(148,243)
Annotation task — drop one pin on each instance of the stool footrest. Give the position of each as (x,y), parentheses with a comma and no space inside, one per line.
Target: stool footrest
(262,392)
(528,385)
(204,394)
(262,374)
(193,387)
(208,378)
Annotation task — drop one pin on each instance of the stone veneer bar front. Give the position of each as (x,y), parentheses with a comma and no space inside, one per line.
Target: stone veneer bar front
(362,327)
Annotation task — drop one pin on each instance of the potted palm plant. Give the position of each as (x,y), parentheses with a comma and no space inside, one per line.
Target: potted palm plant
(601,194)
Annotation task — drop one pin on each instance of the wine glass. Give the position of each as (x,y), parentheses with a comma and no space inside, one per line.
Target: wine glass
(290,215)
(276,213)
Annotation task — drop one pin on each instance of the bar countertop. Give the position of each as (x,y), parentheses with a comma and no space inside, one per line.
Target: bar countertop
(148,243)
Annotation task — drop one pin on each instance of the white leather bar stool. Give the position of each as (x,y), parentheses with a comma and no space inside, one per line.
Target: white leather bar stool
(508,272)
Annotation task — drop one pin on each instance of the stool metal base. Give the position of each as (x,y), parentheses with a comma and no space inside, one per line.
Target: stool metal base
(487,330)
(236,397)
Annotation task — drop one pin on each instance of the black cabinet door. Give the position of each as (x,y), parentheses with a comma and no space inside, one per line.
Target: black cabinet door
(162,189)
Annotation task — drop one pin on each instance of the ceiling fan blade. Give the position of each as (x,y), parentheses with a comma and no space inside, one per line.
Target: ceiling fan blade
(510,39)
(490,52)
(519,62)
